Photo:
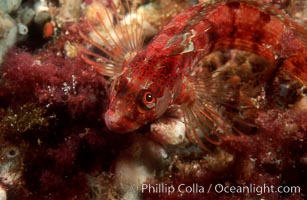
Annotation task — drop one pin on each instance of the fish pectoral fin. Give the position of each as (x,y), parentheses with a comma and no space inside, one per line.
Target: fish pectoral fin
(214,112)
(205,126)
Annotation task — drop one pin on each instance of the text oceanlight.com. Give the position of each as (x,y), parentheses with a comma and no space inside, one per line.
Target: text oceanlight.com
(218,188)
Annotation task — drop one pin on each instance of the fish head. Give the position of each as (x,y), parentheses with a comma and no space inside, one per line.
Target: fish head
(134,102)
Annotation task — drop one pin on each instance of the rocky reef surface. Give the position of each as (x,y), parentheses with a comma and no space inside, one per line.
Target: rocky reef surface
(54,143)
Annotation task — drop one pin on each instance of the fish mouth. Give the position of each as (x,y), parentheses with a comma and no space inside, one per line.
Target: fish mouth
(118,124)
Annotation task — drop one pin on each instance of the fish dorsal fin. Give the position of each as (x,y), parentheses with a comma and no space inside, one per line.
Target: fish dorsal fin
(206,117)
(267,31)
(115,41)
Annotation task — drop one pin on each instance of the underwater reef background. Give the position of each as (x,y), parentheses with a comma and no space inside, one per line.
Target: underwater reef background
(54,143)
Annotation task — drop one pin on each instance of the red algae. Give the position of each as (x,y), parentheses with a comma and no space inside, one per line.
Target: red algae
(52,81)
(51,105)
(271,158)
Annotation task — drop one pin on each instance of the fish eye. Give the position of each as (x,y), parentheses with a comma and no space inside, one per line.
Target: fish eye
(147,99)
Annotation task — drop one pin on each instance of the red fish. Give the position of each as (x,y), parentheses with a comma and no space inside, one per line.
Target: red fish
(159,76)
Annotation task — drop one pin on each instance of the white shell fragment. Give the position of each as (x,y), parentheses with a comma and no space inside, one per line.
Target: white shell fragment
(2,193)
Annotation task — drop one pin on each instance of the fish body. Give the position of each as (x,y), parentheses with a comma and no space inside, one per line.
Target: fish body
(160,75)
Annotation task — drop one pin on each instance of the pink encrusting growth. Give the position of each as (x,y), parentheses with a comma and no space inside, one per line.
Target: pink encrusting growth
(161,74)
